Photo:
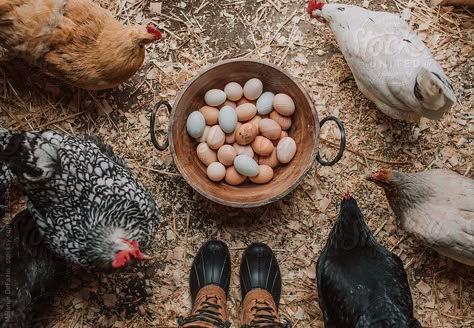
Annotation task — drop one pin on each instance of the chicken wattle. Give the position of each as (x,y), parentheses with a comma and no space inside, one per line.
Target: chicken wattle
(437,206)
(360,282)
(89,206)
(77,41)
(390,64)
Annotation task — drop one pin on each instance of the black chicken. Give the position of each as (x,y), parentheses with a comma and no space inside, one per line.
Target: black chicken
(89,206)
(361,283)
(30,274)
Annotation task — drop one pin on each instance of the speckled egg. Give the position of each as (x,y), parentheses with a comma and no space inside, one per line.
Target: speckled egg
(265,103)
(253,89)
(234,91)
(210,114)
(205,154)
(265,174)
(216,171)
(214,97)
(226,155)
(245,165)
(227,119)
(195,124)
(246,134)
(286,150)
(215,137)
(283,104)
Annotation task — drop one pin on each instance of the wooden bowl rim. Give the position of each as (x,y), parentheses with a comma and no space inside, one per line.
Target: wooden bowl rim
(267,200)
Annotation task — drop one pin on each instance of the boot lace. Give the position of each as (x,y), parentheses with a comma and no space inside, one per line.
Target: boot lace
(208,311)
(267,319)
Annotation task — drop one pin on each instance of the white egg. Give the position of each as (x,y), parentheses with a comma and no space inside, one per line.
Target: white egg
(253,89)
(286,150)
(234,91)
(214,97)
(216,171)
(246,165)
(227,119)
(195,124)
(265,103)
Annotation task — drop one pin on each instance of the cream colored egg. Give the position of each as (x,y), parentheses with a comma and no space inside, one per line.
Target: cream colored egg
(262,146)
(255,121)
(234,91)
(210,114)
(205,154)
(245,165)
(215,137)
(228,103)
(246,134)
(253,89)
(233,177)
(216,171)
(286,150)
(214,97)
(226,155)
(203,138)
(265,174)
(246,112)
(243,150)
(283,104)
(269,129)
(230,137)
(271,160)
(283,121)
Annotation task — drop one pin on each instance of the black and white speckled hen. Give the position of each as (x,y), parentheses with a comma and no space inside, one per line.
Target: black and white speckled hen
(30,274)
(361,283)
(89,206)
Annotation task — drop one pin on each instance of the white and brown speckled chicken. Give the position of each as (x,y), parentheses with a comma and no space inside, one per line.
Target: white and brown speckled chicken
(89,206)
(30,274)
(390,64)
(77,41)
(436,206)
(360,282)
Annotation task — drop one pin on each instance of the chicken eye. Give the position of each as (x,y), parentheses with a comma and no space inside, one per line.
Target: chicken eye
(341,8)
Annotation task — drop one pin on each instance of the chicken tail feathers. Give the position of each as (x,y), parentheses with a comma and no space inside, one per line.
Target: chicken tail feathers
(26,155)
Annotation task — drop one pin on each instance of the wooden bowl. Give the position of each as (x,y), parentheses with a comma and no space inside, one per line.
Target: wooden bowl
(304,130)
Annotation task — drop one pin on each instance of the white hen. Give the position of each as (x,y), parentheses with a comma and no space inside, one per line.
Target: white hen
(390,64)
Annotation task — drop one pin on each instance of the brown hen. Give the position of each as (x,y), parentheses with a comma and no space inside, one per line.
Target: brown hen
(76,40)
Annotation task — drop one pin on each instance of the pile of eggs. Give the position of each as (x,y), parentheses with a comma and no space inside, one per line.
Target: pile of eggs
(242,132)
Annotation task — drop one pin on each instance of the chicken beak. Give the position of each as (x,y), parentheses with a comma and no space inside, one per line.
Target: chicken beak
(145,257)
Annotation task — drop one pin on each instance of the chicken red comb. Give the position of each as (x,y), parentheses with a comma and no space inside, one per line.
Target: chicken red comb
(155,31)
(124,256)
(347,196)
(314,5)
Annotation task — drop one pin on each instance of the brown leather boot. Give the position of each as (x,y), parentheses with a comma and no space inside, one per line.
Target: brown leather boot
(260,283)
(209,283)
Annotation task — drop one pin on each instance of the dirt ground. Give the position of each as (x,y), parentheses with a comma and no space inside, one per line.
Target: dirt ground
(201,32)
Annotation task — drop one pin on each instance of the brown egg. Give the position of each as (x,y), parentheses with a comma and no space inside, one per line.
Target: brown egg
(210,114)
(265,174)
(255,121)
(283,121)
(245,101)
(215,137)
(269,129)
(245,134)
(262,146)
(228,103)
(203,138)
(246,112)
(271,160)
(233,177)
(284,134)
(226,155)
(283,104)
(205,154)
(230,137)
(286,150)
(240,150)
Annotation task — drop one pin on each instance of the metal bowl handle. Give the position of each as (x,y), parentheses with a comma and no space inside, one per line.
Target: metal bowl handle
(342,146)
(152,125)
